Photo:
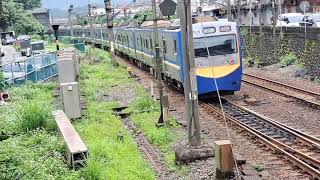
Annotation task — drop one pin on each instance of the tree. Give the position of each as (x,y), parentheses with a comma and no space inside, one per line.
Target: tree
(14,17)
(29,4)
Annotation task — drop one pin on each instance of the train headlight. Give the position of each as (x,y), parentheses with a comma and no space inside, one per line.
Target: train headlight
(225,28)
(209,30)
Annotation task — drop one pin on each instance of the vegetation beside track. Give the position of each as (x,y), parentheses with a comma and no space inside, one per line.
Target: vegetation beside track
(164,137)
(110,158)
(30,147)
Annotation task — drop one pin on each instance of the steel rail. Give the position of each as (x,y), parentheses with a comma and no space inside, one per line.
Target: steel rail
(295,156)
(303,137)
(314,95)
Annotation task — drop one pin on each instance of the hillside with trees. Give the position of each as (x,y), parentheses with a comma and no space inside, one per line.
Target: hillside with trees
(16,15)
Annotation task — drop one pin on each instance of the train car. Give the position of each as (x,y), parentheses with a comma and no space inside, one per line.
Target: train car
(217,56)
(217,52)
(216,49)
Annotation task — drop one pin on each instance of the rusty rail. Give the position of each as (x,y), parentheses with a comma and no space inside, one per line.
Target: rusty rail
(300,94)
(284,139)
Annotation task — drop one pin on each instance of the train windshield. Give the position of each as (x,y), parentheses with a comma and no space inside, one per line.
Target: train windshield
(216,45)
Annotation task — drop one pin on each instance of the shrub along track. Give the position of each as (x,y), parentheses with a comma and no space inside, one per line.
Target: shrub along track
(297,147)
(309,97)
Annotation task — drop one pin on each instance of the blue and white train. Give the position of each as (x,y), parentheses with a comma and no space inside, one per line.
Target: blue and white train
(216,47)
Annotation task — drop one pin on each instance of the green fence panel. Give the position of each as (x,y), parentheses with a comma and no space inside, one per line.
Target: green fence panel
(80,46)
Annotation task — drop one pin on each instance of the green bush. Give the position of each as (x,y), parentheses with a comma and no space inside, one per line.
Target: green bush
(3,85)
(288,59)
(259,167)
(33,115)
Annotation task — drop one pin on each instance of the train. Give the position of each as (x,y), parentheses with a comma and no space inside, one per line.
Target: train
(217,50)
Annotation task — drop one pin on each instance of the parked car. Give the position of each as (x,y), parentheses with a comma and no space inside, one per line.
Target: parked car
(290,19)
(8,41)
(314,19)
(23,38)
(306,21)
(25,48)
(37,48)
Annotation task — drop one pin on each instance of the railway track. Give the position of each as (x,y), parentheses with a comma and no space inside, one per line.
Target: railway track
(309,97)
(299,148)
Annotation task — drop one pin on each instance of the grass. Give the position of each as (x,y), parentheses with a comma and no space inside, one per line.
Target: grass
(34,150)
(288,59)
(50,47)
(109,158)
(29,108)
(259,167)
(33,115)
(163,138)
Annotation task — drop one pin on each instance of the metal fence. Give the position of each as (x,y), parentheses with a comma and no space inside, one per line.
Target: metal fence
(36,68)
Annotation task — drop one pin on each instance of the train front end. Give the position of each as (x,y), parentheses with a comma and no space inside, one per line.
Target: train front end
(217,57)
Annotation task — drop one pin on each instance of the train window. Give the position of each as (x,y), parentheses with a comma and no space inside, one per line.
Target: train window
(164,46)
(141,41)
(147,45)
(127,39)
(138,42)
(151,44)
(119,38)
(175,46)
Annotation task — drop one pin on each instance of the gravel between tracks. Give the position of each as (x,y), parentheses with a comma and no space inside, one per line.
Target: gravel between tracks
(284,75)
(279,108)
(212,130)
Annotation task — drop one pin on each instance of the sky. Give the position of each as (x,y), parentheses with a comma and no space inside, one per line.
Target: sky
(64,4)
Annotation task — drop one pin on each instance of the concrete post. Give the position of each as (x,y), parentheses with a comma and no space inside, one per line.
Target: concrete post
(190,83)
(223,159)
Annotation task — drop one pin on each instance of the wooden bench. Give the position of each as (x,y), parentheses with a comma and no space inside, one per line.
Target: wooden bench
(76,150)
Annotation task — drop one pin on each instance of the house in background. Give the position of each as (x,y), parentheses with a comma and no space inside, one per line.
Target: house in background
(43,16)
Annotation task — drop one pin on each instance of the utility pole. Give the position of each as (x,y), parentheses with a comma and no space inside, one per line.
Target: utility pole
(158,62)
(250,10)
(280,9)
(91,25)
(260,27)
(274,29)
(70,11)
(109,16)
(229,10)
(239,9)
(190,81)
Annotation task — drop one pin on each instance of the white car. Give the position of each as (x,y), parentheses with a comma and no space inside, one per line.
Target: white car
(315,20)
(290,19)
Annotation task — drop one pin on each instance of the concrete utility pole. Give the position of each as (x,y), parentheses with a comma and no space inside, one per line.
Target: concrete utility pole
(91,25)
(280,9)
(109,16)
(158,66)
(274,29)
(260,26)
(70,11)
(238,14)
(190,81)
(229,10)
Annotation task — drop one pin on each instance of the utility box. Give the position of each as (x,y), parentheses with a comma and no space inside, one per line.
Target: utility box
(74,57)
(66,70)
(70,96)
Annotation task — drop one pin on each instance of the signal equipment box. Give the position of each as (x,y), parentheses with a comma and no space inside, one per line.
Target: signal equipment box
(66,70)
(71,53)
(70,96)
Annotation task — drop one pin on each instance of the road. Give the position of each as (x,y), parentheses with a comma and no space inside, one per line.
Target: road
(10,55)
